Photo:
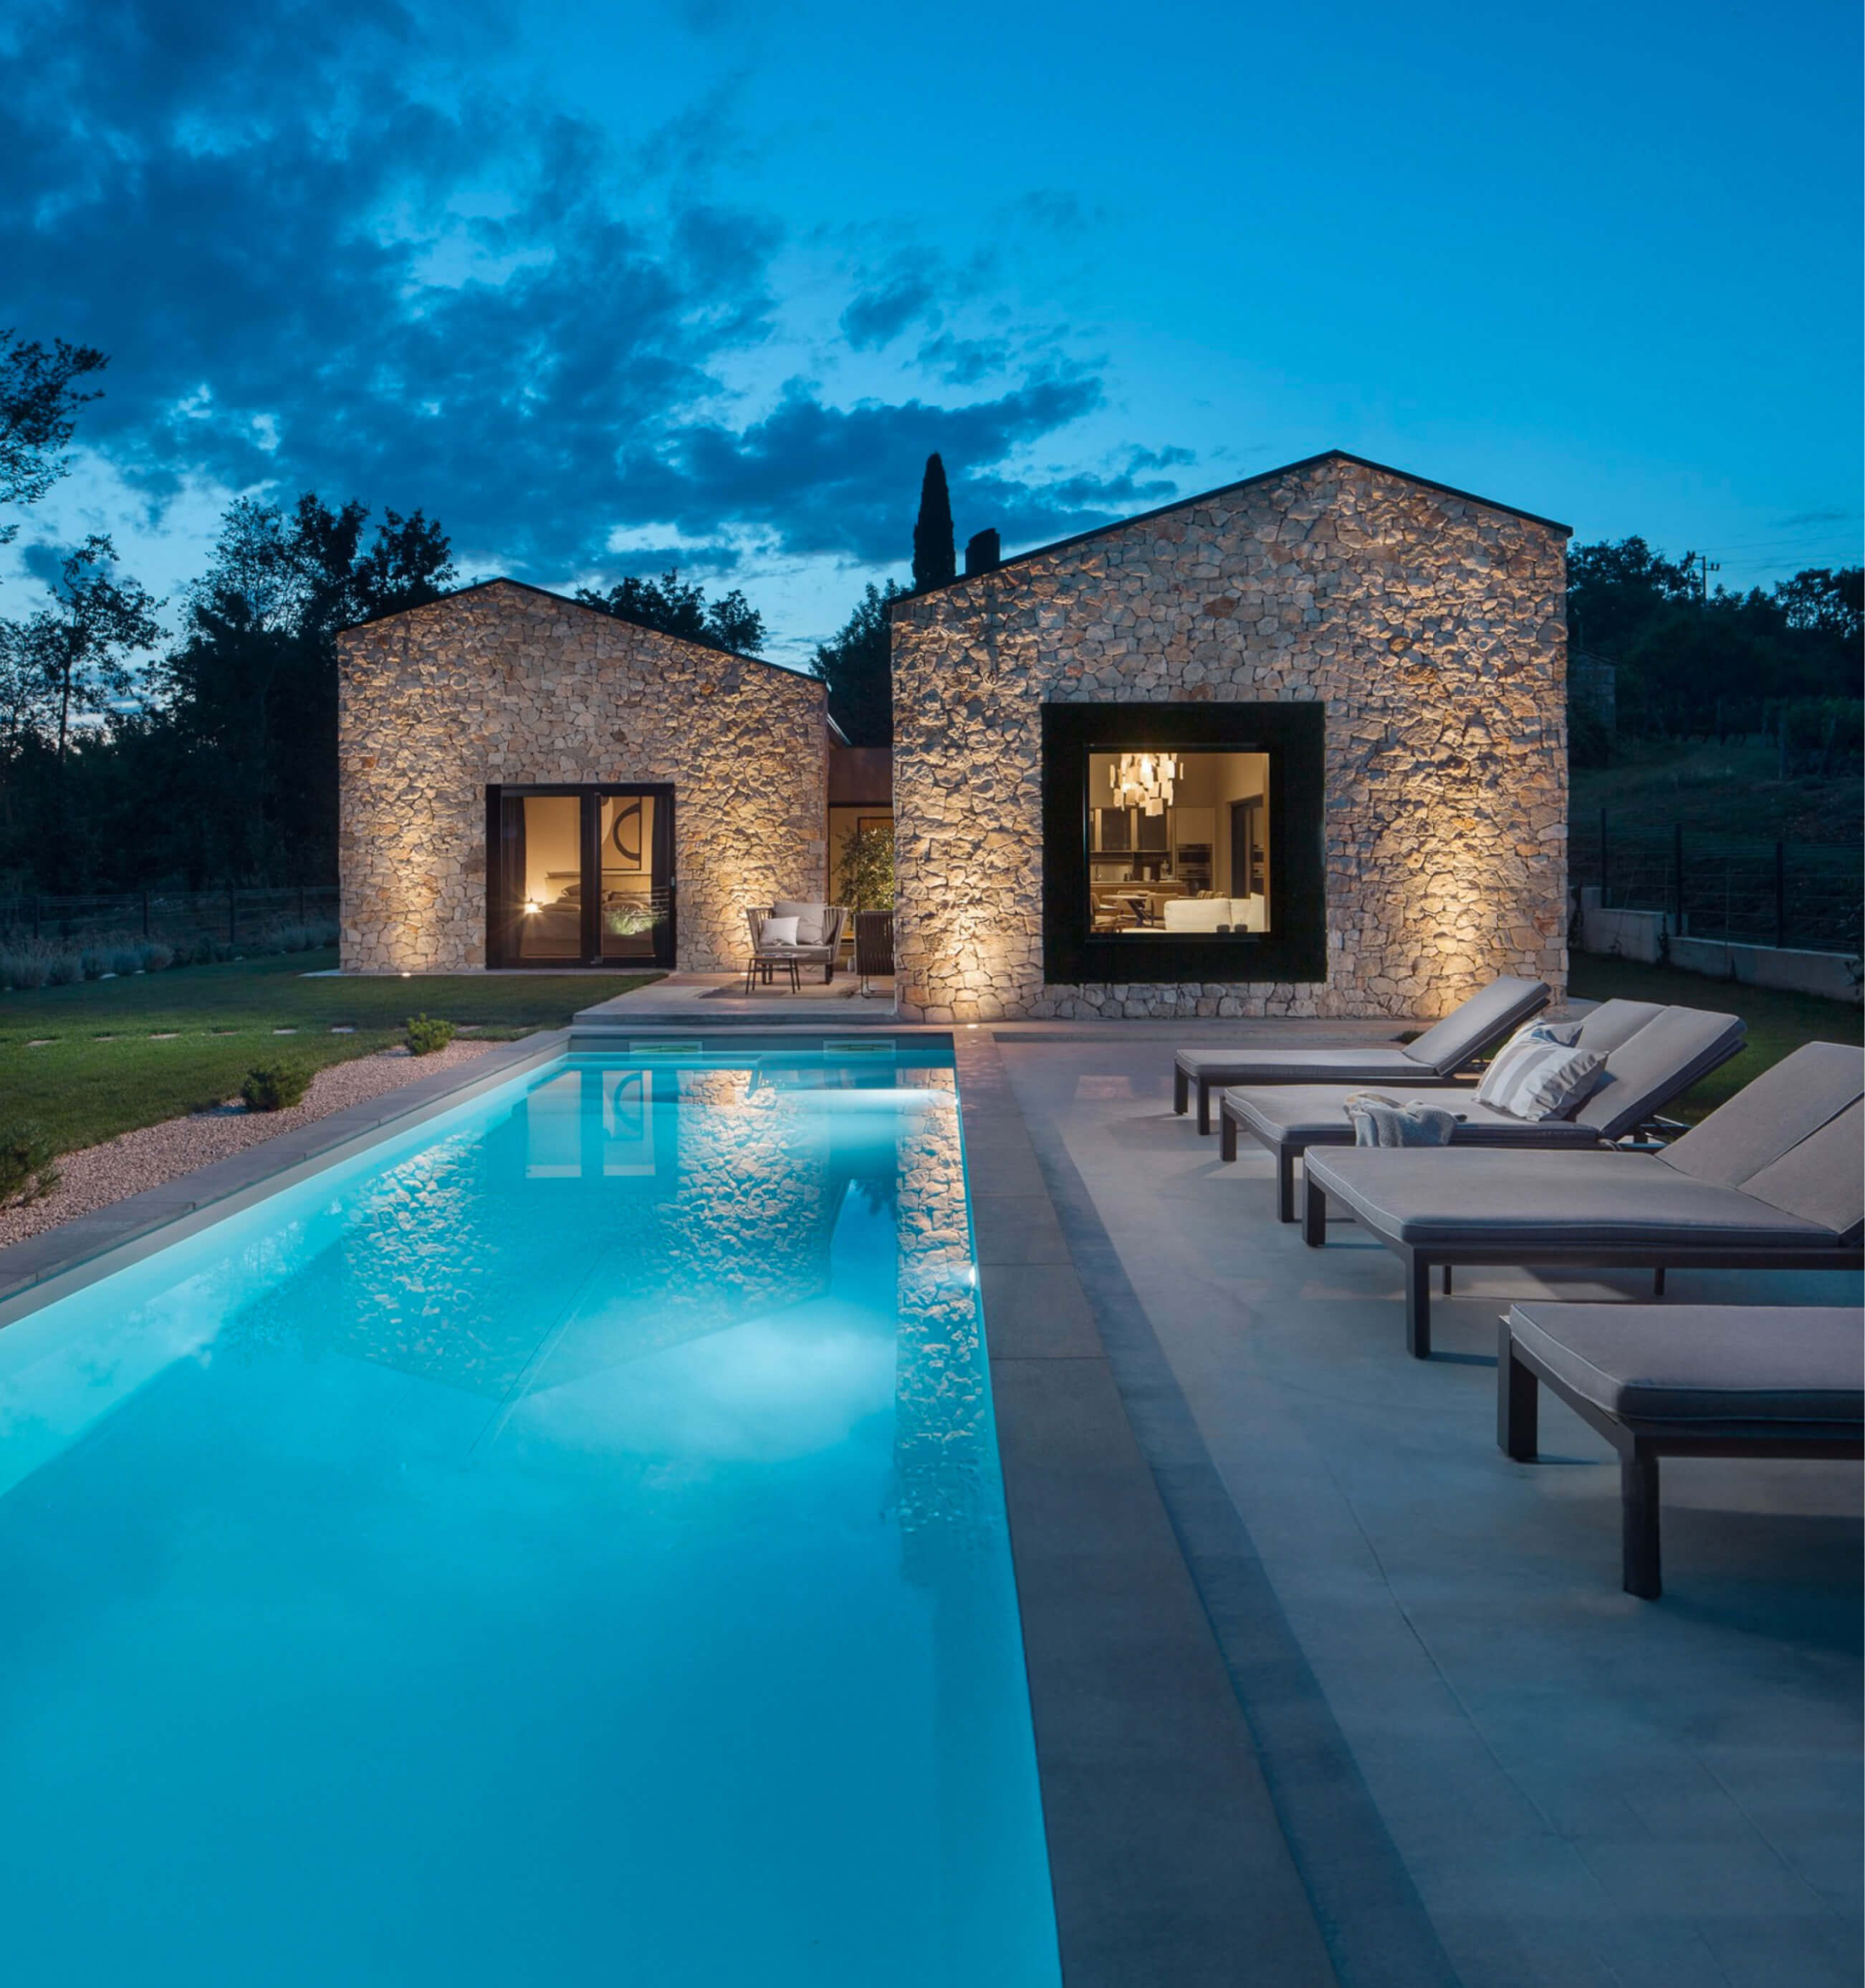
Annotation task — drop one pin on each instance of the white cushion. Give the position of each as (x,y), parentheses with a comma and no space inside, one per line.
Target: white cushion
(1539,1073)
(812,920)
(779,932)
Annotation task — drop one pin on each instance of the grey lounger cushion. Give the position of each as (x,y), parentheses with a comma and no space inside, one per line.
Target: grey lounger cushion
(1653,1054)
(1778,1165)
(1768,1118)
(1471,1026)
(1495,1198)
(1656,1063)
(1704,1364)
(1316,1115)
(1444,1047)
(1368,1062)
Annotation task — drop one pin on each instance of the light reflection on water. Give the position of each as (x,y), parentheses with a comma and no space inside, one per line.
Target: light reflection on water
(615,1466)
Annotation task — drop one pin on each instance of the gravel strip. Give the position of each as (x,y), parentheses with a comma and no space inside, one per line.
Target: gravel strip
(121,1167)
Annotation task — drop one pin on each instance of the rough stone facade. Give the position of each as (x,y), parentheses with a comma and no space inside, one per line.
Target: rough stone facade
(503,684)
(1432,626)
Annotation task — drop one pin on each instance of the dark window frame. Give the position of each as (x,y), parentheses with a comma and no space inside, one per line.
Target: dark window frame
(589,794)
(1294,737)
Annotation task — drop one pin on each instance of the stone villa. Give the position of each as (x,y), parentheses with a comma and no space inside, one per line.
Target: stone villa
(1295,747)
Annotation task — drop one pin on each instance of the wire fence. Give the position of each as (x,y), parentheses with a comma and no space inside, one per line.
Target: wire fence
(233,915)
(1802,894)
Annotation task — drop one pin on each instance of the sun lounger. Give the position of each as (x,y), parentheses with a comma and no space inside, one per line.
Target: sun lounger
(1653,1054)
(1435,1058)
(1683,1381)
(1774,1178)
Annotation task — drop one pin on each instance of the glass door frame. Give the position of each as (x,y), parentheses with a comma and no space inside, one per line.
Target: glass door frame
(501,903)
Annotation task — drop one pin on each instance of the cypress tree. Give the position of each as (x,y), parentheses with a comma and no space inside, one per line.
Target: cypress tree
(983,553)
(935,554)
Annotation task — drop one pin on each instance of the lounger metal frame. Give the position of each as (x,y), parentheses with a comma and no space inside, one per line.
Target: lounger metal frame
(1520,1376)
(1420,1259)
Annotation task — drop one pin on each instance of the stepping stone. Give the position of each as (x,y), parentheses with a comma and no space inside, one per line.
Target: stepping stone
(337,1031)
(163,1035)
(42,1042)
(285,1032)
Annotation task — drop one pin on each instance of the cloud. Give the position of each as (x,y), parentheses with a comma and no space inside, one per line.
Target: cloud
(877,317)
(321,259)
(1814,518)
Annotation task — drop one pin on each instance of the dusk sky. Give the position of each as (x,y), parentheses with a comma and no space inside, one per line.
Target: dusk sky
(606,287)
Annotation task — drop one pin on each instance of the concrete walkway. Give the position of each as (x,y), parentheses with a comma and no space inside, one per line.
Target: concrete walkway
(1490,1766)
(705,1000)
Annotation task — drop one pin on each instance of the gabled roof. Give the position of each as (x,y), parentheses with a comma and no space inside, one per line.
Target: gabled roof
(1225,490)
(566,600)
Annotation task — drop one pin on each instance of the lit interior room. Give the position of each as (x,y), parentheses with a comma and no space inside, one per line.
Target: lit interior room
(1179,843)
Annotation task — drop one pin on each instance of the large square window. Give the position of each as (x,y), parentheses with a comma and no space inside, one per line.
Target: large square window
(1183,842)
(1178,842)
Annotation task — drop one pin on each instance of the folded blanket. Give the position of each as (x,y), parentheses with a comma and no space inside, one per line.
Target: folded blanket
(1379,1121)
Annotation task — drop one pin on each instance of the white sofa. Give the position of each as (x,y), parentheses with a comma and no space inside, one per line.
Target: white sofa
(1206,915)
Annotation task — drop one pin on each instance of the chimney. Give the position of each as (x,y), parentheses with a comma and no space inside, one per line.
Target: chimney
(983,553)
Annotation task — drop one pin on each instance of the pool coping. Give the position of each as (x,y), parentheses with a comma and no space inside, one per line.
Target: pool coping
(1167,1861)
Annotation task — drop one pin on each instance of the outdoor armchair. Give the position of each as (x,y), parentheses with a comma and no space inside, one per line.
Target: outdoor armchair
(1653,1054)
(819,934)
(1435,1058)
(1774,1179)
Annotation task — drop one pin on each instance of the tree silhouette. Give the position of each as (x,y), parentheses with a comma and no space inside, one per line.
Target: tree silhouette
(935,557)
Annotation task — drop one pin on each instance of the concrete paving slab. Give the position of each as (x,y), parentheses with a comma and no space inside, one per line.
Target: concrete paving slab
(1552,1764)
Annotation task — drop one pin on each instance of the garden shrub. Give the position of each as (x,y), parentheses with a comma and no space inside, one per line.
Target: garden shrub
(64,970)
(277,1086)
(426,1034)
(96,964)
(23,969)
(28,1166)
(155,955)
(125,960)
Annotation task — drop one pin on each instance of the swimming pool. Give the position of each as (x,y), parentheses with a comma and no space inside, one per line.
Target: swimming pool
(564,1543)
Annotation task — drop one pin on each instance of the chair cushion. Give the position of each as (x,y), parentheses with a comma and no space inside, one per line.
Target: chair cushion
(1704,1362)
(810,920)
(1497,1198)
(1768,1117)
(1821,1179)
(1536,1075)
(1316,1115)
(778,932)
(1492,1012)
(1646,1071)
(1365,1062)
(1613,1022)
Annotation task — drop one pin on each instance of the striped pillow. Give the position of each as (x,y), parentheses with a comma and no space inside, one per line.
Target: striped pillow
(1537,1075)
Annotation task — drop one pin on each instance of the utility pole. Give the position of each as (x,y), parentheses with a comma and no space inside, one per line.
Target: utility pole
(1709,566)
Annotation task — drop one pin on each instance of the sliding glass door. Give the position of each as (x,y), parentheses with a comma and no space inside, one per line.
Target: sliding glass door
(579,876)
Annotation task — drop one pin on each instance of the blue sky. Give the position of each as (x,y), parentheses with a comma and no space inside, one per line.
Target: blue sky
(605,286)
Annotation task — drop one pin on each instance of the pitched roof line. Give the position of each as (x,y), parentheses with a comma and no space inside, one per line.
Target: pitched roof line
(568,601)
(1225,490)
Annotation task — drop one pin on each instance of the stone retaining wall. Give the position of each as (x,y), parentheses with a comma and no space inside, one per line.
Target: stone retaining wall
(503,684)
(1433,626)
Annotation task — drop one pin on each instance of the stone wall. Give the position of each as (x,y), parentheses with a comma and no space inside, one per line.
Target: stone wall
(1431,625)
(502,685)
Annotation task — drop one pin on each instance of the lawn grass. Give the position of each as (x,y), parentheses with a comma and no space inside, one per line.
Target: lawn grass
(1778,1022)
(112,1055)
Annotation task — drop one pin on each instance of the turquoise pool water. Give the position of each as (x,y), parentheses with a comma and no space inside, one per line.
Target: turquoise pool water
(565,1545)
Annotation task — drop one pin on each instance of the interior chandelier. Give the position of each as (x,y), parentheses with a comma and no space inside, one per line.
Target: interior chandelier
(1144,780)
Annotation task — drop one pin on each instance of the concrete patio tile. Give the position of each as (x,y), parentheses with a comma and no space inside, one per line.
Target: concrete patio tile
(1585,1788)
(1796,1953)
(1016,1229)
(1035,1310)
